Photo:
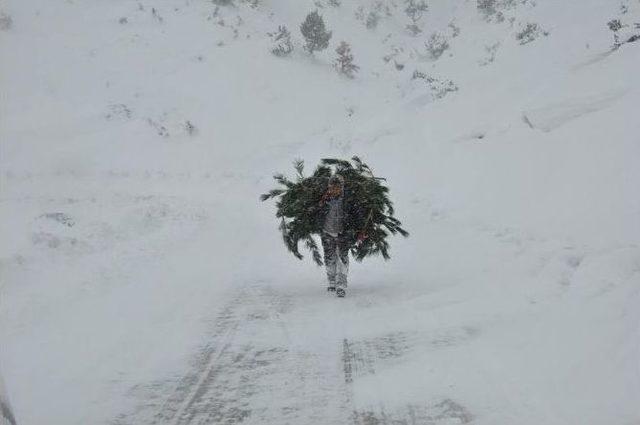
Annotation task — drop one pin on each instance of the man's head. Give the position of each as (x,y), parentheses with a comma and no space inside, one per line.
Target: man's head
(336,184)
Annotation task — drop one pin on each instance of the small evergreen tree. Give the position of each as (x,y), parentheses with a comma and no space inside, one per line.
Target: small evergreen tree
(282,45)
(344,62)
(615,25)
(415,9)
(487,8)
(528,33)
(315,33)
(372,20)
(436,45)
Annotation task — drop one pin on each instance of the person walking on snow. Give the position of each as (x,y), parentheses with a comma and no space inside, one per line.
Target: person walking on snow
(336,212)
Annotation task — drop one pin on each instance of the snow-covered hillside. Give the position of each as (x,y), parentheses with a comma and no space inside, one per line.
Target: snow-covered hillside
(142,281)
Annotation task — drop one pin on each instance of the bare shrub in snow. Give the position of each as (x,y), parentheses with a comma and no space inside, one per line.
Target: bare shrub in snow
(621,37)
(315,33)
(191,129)
(436,45)
(372,15)
(455,30)
(281,39)
(419,75)
(372,20)
(6,22)
(438,88)
(615,25)
(350,111)
(156,15)
(414,10)
(487,8)
(223,2)
(414,29)
(529,33)
(160,129)
(395,52)
(119,110)
(60,217)
(491,54)
(494,10)
(344,62)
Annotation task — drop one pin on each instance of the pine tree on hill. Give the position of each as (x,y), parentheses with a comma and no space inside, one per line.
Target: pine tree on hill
(315,33)
(344,62)
(282,45)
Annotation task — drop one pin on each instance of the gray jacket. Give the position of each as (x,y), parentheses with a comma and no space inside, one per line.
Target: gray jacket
(334,220)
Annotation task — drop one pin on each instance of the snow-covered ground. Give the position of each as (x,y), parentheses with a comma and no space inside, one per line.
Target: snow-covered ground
(142,281)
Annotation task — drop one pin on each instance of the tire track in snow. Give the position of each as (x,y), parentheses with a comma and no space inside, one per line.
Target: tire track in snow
(226,325)
(445,412)
(364,356)
(252,371)
(263,365)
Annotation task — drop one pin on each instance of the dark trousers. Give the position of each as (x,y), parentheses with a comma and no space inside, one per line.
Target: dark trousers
(336,259)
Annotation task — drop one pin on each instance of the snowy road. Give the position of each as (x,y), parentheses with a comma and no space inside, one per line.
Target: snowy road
(479,325)
(142,281)
(262,365)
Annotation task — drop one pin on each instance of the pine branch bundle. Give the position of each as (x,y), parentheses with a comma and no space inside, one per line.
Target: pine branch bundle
(301,216)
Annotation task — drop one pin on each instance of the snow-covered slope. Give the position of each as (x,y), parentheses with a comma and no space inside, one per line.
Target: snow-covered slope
(143,282)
